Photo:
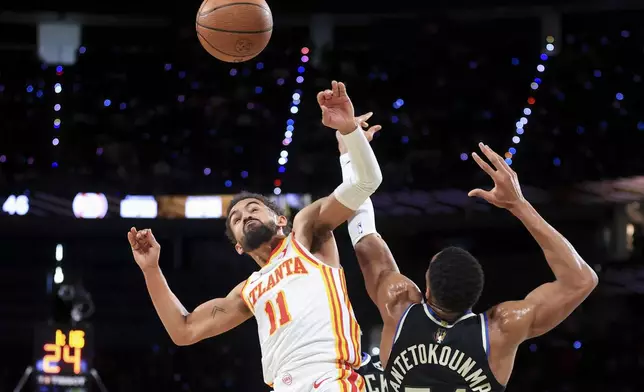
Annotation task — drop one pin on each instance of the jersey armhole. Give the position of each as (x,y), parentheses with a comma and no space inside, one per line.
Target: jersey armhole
(243,297)
(401,322)
(485,334)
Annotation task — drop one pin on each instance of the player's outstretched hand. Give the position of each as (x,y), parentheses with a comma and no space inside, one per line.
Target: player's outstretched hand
(507,191)
(369,131)
(337,109)
(145,248)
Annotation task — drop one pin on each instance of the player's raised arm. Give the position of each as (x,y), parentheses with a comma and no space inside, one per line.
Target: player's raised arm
(549,304)
(389,290)
(209,319)
(328,213)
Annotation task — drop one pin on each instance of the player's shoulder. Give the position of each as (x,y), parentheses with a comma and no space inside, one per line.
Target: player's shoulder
(511,319)
(505,312)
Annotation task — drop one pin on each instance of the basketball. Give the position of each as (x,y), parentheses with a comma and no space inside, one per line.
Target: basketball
(234,31)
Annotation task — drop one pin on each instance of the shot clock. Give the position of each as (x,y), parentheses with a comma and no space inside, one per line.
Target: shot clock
(63,357)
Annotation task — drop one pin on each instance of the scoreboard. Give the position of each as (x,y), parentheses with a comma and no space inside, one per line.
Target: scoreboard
(63,358)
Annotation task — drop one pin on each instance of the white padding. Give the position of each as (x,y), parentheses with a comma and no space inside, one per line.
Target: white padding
(366,171)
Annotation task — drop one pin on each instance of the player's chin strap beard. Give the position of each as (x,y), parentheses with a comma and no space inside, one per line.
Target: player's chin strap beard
(259,235)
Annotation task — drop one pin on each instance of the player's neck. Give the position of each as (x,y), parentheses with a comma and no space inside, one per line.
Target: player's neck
(444,314)
(263,254)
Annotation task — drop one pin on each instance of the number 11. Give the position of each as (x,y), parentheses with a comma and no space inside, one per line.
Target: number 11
(285,316)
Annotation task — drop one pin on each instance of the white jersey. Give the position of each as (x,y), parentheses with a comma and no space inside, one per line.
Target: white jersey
(303,312)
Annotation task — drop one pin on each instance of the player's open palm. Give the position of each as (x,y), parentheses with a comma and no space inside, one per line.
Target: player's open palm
(145,248)
(337,109)
(369,132)
(507,191)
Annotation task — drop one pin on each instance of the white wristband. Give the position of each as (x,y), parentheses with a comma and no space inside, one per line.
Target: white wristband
(362,223)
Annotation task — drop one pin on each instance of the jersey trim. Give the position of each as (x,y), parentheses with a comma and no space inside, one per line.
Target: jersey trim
(346,333)
(485,334)
(277,250)
(337,334)
(252,309)
(436,319)
(304,253)
(354,328)
(401,322)
(366,358)
(344,348)
(301,249)
(351,381)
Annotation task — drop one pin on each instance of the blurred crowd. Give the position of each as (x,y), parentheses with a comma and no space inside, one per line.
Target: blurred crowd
(162,116)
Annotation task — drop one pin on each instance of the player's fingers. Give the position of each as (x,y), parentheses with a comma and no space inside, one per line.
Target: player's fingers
(321,97)
(326,96)
(363,118)
(324,111)
(483,165)
(153,240)
(373,130)
(131,239)
(503,162)
(479,193)
(136,245)
(494,158)
(342,89)
(334,88)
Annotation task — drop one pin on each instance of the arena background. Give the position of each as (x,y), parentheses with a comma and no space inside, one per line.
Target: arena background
(123,119)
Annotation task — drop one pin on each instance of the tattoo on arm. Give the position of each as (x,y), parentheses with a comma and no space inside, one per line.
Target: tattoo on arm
(217,309)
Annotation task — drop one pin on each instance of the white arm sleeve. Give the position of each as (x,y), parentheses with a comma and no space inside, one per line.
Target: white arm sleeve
(367,176)
(363,222)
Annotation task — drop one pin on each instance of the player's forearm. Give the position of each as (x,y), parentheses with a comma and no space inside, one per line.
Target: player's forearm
(367,175)
(569,268)
(168,307)
(363,222)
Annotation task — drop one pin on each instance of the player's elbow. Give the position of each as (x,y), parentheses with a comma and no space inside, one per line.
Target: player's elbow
(353,194)
(590,280)
(184,336)
(371,182)
(585,283)
(367,187)
(181,339)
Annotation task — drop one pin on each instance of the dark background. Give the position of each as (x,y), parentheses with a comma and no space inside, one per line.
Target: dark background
(180,122)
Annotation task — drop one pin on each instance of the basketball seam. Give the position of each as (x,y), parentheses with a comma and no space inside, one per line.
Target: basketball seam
(230,5)
(236,31)
(218,50)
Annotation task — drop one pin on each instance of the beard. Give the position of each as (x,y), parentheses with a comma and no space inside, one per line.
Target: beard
(258,234)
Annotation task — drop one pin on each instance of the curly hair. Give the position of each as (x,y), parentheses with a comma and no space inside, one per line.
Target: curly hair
(455,280)
(249,195)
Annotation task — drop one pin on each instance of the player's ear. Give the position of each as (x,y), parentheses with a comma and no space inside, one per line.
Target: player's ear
(281,221)
(239,249)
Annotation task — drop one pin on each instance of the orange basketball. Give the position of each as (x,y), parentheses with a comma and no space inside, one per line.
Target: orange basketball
(234,31)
